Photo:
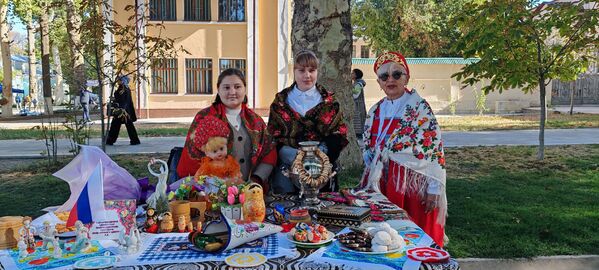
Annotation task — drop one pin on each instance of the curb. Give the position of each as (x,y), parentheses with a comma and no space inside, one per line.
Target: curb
(582,262)
(39,156)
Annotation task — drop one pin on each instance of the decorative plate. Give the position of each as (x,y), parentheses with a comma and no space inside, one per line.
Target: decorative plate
(427,254)
(67,234)
(371,252)
(330,238)
(245,259)
(95,262)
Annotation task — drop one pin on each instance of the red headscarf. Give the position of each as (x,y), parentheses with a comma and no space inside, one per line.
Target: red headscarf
(391,57)
(209,127)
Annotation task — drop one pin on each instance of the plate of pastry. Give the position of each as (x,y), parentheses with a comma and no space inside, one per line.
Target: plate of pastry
(310,236)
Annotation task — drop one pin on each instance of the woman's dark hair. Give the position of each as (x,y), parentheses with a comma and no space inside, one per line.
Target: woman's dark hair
(359,73)
(221,77)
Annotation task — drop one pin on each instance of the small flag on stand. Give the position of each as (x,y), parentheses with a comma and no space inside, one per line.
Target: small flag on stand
(90,203)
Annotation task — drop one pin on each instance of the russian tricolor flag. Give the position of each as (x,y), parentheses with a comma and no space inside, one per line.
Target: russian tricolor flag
(90,204)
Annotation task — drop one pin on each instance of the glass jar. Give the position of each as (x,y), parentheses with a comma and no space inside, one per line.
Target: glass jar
(300,215)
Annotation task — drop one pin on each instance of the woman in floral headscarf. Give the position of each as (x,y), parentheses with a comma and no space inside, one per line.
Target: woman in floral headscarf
(305,111)
(403,149)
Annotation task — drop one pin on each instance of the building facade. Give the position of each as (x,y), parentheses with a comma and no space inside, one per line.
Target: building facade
(253,36)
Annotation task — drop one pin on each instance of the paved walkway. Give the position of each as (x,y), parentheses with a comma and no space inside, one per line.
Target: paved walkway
(149,145)
(588,109)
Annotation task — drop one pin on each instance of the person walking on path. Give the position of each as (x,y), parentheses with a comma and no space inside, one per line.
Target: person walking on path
(360,106)
(18,101)
(85,99)
(123,112)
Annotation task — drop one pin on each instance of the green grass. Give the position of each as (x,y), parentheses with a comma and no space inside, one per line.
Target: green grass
(503,203)
(496,122)
(457,123)
(27,189)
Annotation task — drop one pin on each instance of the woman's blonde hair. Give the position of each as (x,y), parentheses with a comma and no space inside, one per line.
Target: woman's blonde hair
(214,143)
(306,58)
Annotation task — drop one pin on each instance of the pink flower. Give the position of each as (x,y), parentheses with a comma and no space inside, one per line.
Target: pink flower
(427,142)
(343,130)
(233,190)
(406,130)
(328,117)
(242,197)
(231,199)
(285,116)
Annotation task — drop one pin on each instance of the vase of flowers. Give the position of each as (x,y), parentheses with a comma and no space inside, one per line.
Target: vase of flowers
(230,199)
(183,201)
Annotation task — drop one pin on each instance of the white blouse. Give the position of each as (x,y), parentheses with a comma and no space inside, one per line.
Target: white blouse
(234,118)
(303,101)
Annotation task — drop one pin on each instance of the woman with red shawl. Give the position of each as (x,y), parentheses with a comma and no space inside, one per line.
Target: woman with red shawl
(249,142)
(305,111)
(403,150)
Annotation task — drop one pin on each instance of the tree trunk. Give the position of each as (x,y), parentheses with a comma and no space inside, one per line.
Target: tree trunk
(44,31)
(541,153)
(73,28)
(325,28)
(100,79)
(31,55)
(572,97)
(6,62)
(59,90)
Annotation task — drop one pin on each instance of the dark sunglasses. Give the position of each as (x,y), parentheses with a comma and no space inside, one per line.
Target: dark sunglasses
(396,75)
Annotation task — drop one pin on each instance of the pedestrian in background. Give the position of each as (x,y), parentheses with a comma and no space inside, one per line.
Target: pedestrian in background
(18,101)
(123,112)
(85,99)
(359,104)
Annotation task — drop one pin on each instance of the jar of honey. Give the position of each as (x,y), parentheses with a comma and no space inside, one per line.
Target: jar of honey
(300,215)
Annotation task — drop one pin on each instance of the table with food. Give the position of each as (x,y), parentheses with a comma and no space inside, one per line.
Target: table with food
(208,222)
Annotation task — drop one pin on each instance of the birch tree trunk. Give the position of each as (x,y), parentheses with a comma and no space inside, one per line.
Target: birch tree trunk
(74,30)
(325,28)
(45,31)
(59,96)
(6,62)
(32,56)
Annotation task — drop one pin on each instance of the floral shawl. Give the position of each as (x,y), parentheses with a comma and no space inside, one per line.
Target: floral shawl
(262,145)
(324,122)
(416,144)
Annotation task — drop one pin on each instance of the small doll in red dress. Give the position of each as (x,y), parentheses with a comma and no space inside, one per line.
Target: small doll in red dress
(211,137)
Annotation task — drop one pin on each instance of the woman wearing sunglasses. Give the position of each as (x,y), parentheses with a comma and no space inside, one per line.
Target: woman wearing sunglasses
(403,149)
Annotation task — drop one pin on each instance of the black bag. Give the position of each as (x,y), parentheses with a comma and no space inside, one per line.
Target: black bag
(173,161)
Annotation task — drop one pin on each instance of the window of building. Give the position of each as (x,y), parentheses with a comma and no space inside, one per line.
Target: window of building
(232,63)
(353,51)
(198,76)
(197,10)
(164,76)
(163,10)
(231,10)
(364,52)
